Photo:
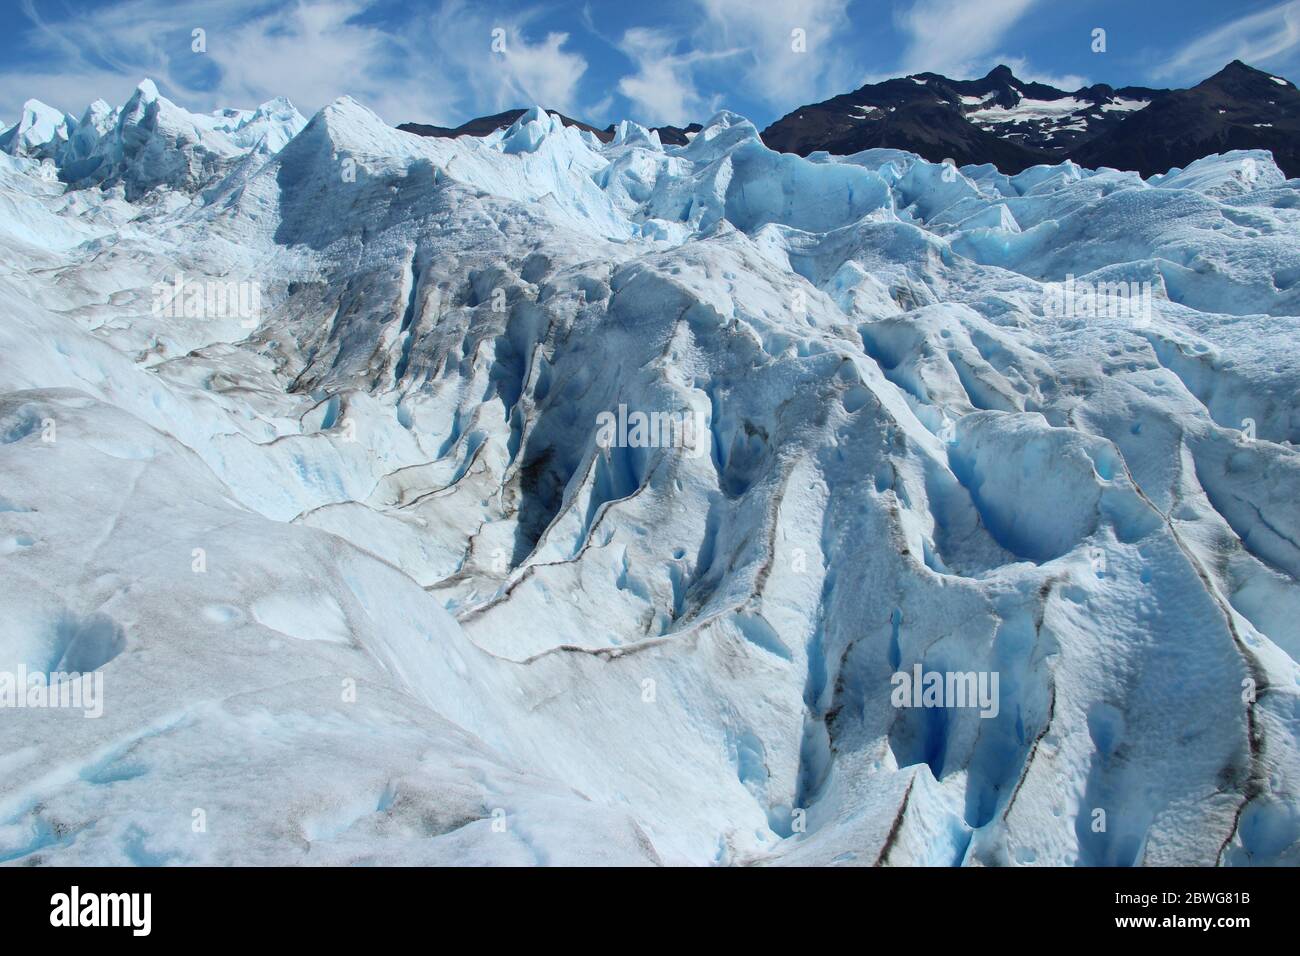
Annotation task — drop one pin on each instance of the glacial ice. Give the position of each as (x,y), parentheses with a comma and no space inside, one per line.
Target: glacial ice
(363,588)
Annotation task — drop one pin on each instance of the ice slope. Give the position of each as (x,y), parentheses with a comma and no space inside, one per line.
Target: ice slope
(151,142)
(438,622)
(40,133)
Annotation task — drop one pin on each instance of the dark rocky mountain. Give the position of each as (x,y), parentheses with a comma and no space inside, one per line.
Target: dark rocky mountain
(1044,122)
(483,125)
(1014,124)
(933,130)
(670,135)
(1237,108)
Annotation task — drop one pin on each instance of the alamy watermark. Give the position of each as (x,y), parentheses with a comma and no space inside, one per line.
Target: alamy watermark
(687,430)
(64,690)
(917,688)
(75,908)
(209,299)
(1117,301)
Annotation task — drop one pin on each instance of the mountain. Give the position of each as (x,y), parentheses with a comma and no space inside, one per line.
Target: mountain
(981,117)
(483,125)
(1237,108)
(923,127)
(1014,124)
(532,499)
(671,135)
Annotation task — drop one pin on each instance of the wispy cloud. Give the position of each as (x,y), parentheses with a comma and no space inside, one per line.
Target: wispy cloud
(774,66)
(434,65)
(1269,37)
(959,39)
(663,89)
(956,37)
(780,52)
(459,36)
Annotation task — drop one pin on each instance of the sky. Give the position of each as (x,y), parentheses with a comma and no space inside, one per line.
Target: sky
(656,62)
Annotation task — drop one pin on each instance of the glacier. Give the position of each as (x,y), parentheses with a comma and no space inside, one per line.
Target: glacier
(361,584)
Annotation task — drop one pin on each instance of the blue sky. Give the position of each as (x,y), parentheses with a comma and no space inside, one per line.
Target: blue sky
(668,61)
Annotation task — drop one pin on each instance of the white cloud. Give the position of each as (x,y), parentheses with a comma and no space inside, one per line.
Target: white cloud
(662,90)
(312,54)
(773,69)
(434,66)
(955,37)
(745,44)
(1257,38)
(459,38)
(542,74)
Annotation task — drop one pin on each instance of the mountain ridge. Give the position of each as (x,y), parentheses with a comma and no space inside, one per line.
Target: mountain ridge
(483,125)
(1016,124)
(1024,124)
(1219,114)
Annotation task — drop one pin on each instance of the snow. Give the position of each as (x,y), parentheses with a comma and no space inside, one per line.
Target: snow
(363,587)
(1124,104)
(1029,109)
(1066,113)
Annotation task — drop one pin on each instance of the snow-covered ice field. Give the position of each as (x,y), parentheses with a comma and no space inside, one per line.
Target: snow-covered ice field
(360,584)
